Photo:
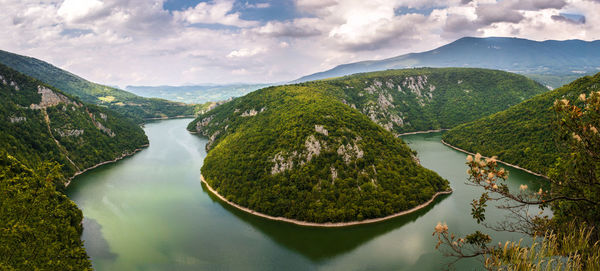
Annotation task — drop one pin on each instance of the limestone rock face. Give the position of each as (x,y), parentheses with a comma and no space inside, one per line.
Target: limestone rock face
(50,98)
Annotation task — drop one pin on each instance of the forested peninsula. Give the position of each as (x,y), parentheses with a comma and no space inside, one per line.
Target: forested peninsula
(327,151)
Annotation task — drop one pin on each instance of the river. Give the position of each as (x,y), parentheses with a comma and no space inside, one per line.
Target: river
(150,212)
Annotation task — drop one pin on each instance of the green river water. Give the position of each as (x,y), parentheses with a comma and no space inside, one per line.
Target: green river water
(150,212)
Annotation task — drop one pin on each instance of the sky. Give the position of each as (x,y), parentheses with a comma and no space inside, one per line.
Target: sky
(178,42)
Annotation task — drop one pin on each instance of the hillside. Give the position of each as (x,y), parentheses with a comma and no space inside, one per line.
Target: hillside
(523,134)
(426,99)
(299,153)
(134,107)
(551,62)
(40,123)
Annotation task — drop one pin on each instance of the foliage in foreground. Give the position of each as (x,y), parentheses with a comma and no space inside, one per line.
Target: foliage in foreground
(571,237)
(40,228)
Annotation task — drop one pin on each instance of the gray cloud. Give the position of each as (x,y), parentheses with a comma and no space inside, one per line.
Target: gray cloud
(488,14)
(291,29)
(537,4)
(457,26)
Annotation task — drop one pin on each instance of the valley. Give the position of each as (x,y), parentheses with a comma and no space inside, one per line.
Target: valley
(151,211)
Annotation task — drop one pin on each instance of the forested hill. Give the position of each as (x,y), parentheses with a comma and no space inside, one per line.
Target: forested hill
(551,62)
(424,99)
(40,123)
(298,152)
(134,107)
(523,134)
(325,151)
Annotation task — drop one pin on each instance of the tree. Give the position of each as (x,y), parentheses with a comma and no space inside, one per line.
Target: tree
(570,239)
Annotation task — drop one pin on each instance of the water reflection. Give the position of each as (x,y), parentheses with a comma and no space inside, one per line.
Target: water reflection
(95,243)
(331,241)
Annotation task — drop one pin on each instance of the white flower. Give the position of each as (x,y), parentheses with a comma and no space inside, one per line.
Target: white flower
(523,187)
(469,158)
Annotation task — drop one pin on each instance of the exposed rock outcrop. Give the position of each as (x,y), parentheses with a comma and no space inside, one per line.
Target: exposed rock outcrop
(51,98)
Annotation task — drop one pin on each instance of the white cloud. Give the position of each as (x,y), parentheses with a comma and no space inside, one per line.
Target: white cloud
(216,12)
(76,9)
(245,52)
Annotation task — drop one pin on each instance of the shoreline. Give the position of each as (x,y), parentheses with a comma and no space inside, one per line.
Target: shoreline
(327,224)
(174,117)
(124,155)
(499,161)
(423,132)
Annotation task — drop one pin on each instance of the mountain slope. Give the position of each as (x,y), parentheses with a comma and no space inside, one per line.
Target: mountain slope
(40,123)
(135,107)
(424,99)
(550,62)
(523,134)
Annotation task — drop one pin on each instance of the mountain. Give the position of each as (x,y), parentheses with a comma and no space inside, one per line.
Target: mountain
(135,107)
(196,94)
(41,123)
(427,99)
(523,134)
(325,151)
(551,62)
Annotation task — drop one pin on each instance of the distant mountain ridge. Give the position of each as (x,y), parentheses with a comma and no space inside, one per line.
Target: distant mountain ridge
(134,107)
(197,94)
(551,62)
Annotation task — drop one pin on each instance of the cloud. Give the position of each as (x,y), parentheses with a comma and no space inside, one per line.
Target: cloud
(75,9)
(536,4)
(245,52)
(217,12)
(296,28)
(121,42)
(488,14)
(258,5)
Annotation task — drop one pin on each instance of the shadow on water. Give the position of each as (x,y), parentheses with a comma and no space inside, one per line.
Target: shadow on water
(332,241)
(96,246)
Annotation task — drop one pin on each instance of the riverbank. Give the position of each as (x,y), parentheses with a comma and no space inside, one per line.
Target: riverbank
(499,161)
(174,117)
(328,224)
(423,132)
(127,154)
